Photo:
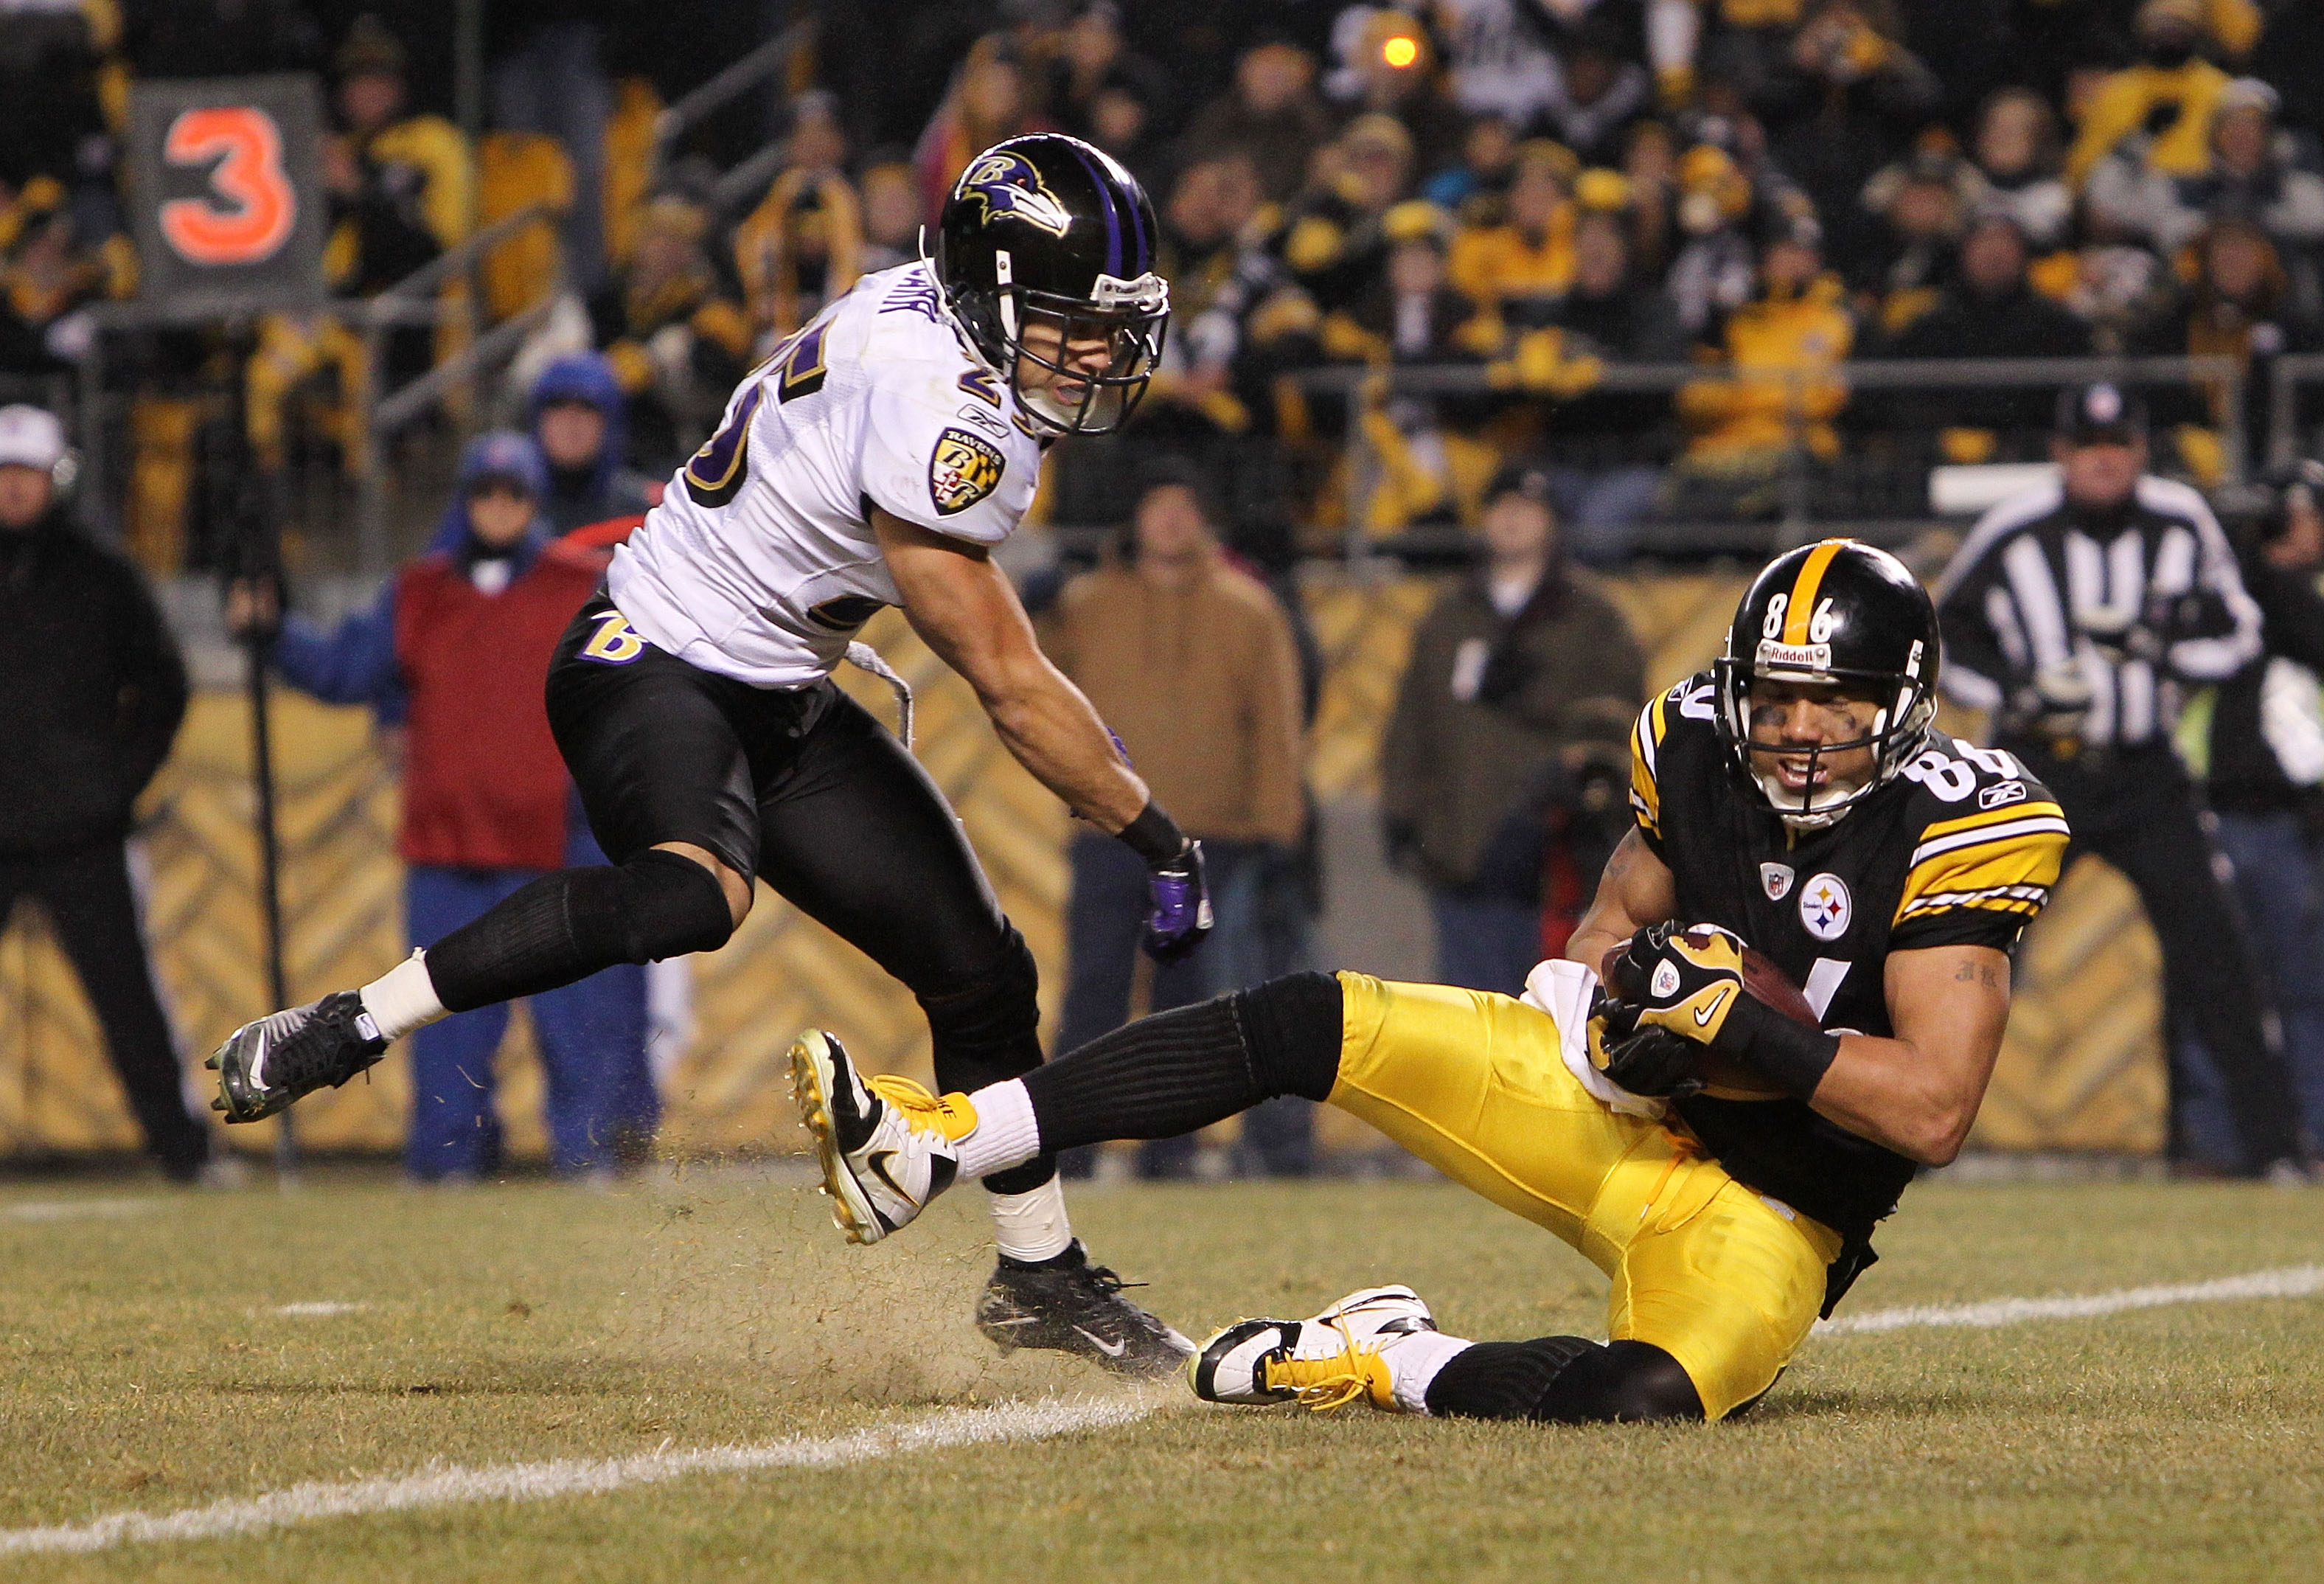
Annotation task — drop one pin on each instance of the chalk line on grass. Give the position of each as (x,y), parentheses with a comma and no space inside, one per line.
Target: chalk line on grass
(534,1482)
(319,1309)
(75,1209)
(2285,1282)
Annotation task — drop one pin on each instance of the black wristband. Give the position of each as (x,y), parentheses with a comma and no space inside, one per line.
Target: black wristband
(1792,1056)
(1155,837)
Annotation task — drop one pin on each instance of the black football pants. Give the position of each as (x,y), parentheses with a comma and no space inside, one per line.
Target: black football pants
(805,790)
(86,891)
(2136,809)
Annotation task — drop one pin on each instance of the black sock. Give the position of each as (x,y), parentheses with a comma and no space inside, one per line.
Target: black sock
(1179,1070)
(1632,1381)
(1502,1380)
(568,925)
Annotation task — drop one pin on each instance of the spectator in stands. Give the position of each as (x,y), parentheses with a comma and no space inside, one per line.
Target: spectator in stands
(1517,670)
(1518,269)
(802,247)
(2017,153)
(400,188)
(1193,662)
(50,273)
(1125,121)
(91,695)
(988,102)
(1848,98)
(2164,101)
(2263,771)
(673,325)
(2251,173)
(51,121)
(1608,446)
(1649,168)
(457,646)
(1331,240)
(550,77)
(2285,59)
(1387,67)
(221,38)
(580,420)
(2240,306)
(1989,311)
(1272,117)
(891,216)
(1092,65)
(1786,343)
(1476,190)
(1716,269)
(1924,205)
(1209,223)
(1599,95)
(1499,57)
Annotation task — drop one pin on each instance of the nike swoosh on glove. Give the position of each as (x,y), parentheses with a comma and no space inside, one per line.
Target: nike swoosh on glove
(1687,980)
(1653,1064)
(1181,914)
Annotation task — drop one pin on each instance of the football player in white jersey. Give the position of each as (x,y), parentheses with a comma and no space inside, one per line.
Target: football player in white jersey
(875,460)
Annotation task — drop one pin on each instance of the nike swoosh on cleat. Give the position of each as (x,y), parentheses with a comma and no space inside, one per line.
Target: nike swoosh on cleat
(1703,1015)
(1111,1349)
(876,1164)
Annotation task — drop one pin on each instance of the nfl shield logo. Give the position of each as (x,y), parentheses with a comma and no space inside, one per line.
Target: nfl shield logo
(1778,879)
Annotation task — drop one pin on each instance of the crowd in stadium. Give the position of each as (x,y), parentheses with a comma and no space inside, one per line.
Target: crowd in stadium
(1532,188)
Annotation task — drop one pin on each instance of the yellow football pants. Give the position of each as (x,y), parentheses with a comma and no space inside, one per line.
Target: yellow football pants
(1725,1281)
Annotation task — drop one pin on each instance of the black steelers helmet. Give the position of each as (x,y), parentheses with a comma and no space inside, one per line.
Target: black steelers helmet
(1048,230)
(1836,613)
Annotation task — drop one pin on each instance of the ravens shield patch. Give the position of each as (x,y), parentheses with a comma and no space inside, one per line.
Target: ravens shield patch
(964,469)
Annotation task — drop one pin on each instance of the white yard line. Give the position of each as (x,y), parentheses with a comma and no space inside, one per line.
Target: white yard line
(75,1209)
(535,1482)
(2286,1282)
(318,1308)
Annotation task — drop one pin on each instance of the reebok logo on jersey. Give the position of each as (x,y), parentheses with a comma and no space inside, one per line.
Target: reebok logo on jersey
(963,470)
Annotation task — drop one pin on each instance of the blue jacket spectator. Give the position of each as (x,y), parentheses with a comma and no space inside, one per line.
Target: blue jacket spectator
(580,420)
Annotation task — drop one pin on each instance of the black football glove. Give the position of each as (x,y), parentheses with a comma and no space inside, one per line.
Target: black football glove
(1651,1063)
(1686,978)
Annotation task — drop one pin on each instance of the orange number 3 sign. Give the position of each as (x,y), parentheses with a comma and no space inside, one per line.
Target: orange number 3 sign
(249,211)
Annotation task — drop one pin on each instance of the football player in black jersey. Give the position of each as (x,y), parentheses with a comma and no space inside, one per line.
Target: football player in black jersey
(1724,1164)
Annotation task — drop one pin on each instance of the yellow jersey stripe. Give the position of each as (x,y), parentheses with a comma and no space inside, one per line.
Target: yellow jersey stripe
(1985,817)
(2006,832)
(1805,588)
(2010,870)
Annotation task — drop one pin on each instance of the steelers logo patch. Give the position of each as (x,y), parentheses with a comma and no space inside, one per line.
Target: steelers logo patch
(1825,908)
(964,469)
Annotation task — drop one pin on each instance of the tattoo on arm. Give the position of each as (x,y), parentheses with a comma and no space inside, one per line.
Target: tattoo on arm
(1982,973)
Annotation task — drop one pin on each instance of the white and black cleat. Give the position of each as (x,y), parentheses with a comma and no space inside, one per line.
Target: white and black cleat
(1068,1305)
(264,1066)
(885,1146)
(1325,1361)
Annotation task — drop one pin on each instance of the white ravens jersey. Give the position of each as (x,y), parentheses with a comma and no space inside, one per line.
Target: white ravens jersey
(761,562)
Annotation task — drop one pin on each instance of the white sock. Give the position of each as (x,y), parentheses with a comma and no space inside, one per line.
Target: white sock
(1412,1362)
(403,998)
(1032,1226)
(1006,1134)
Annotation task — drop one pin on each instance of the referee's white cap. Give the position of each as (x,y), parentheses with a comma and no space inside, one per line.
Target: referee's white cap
(30,436)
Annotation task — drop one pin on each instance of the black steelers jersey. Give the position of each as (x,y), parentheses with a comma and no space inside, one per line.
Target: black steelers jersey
(1962,849)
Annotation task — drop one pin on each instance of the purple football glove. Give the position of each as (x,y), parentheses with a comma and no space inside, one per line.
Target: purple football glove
(1181,915)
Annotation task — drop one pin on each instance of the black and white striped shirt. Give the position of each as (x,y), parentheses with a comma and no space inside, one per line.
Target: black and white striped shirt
(2035,582)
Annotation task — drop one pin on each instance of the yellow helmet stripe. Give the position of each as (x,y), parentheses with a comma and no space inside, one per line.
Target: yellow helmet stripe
(1801,605)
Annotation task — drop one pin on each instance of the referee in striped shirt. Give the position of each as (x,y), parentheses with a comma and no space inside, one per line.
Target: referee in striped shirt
(2074,614)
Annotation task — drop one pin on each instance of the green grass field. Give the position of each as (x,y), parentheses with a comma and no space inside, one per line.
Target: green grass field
(147,1370)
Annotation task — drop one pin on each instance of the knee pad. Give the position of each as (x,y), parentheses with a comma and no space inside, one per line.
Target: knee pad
(1291,1029)
(1631,1381)
(658,904)
(1503,1380)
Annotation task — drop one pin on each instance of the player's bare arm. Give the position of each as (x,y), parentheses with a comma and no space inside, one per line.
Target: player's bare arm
(1636,889)
(965,607)
(1918,1093)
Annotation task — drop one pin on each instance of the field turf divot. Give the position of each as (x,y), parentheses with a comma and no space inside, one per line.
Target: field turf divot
(2284,1282)
(533,1482)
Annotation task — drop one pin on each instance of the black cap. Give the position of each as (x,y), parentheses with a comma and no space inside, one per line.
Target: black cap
(1529,479)
(2100,414)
